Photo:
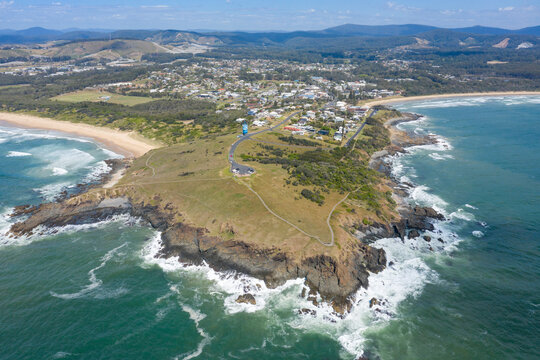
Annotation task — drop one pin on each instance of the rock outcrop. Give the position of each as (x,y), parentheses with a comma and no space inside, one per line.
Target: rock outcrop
(246,299)
(336,279)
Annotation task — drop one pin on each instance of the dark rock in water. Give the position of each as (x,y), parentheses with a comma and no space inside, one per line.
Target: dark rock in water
(413,234)
(440,240)
(419,218)
(427,212)
(430,248)
(313,300)
(427,238)
(400,229)
(391,263)
(246,299)
(306,311)
(341,307)
(373,302)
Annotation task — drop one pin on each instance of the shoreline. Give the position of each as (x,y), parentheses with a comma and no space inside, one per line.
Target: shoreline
(128,144)
(402,99)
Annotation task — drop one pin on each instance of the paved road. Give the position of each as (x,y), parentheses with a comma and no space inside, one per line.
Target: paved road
(240,169)
(348,143)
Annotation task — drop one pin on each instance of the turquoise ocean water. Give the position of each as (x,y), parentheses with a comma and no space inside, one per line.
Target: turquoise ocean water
(97,292)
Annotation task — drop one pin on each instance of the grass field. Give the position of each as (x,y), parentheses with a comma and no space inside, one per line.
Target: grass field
(195,180)
(97,96)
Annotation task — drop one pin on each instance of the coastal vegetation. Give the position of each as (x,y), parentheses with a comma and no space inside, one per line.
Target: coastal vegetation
(167,120)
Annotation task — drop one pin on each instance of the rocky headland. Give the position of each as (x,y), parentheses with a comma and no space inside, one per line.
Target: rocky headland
(336,278)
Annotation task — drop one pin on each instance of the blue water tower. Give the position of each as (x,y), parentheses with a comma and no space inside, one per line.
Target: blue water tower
(244,128)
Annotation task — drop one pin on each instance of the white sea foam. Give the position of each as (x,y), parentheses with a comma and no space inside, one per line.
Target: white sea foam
(63,166)
(96,172)
(231,283)
(414,123)
(61,355)
(111,154)
(17,154)
(21,135)
(474,101)
(439,157)
(51,192)
(462,214)
(68,158)
(95,282)
(471,207)
(452,102)
(42,232)
(5,225)
(421,196)
(441,144)
(405,277)
(59,171)
(478,234)
(196,316)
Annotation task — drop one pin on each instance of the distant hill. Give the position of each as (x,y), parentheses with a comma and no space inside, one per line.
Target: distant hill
(112,50)
(534,30)
(378,30)
(337,38)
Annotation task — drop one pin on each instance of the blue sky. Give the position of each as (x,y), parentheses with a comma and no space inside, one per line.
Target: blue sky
(263,15)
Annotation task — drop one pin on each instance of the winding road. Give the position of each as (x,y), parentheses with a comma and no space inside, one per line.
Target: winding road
(241,169)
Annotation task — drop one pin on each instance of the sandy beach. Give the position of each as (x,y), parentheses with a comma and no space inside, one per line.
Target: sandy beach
(125,143)
(400,99)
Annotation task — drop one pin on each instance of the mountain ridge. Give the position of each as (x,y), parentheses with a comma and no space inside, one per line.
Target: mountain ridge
(40,34)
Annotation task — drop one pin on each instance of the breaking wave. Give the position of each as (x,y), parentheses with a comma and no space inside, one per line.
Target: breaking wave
(17,154)
(476,101)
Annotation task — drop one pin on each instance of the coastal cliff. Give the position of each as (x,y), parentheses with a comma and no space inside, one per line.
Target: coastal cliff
(335,274)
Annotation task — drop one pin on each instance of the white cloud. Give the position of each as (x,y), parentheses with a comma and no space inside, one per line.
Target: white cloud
(154,6)
(451,12)
(400,7)
(508,8)
(5,4)
(56,3)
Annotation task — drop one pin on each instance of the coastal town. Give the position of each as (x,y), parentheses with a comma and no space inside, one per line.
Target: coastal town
(262,90)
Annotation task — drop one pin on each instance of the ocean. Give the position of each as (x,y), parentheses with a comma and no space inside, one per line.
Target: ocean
(98,292)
